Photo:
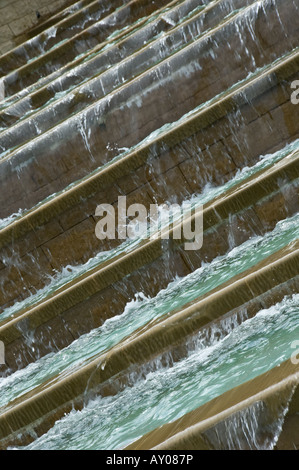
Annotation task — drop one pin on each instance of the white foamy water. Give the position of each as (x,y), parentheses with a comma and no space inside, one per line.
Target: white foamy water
(166,393)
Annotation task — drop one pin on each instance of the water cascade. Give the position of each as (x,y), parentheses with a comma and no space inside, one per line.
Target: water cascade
(134,341)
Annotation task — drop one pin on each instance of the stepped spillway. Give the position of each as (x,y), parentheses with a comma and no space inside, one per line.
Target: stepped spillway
(137,342)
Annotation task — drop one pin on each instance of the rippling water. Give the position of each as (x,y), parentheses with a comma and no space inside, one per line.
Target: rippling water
(143,310)
(250,349)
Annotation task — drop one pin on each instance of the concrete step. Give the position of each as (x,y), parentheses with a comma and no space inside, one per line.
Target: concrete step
(68,50)
(202,111)
(42,238)
(248,209)
(106,374)
(130,60)
(61,156)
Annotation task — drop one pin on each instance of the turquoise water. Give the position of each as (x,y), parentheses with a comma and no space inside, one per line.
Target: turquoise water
(142,310)
(165,394)
(224,355)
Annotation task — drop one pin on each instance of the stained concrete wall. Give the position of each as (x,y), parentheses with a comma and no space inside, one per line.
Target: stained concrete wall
(55,166)
(17,17)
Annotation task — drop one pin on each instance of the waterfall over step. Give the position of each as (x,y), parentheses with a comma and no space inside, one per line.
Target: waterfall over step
(149,225)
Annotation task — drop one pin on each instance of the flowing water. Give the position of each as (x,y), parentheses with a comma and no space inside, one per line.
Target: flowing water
(166,393)
(88,59)
(69,273)
(254,428)
(224,354)
(226,357)
(142,310)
